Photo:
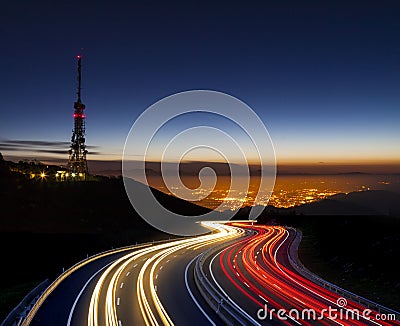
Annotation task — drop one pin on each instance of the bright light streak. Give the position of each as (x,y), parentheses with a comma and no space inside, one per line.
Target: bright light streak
(284,288)
(151,307)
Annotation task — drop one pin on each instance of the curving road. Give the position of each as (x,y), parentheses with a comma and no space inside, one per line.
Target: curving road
(152,284)
(264,284)
(248,270)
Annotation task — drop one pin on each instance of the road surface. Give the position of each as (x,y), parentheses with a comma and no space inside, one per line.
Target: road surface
(247,268)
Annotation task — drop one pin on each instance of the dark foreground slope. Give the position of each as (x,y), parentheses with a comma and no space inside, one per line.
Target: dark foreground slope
(47,226)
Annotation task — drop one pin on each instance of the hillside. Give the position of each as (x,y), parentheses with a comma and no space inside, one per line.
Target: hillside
(350,239)
(47,226)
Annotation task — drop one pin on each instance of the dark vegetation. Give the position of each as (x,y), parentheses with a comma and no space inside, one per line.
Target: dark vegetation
(46,226)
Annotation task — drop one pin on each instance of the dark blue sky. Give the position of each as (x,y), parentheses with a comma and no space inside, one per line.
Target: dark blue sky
(324,76)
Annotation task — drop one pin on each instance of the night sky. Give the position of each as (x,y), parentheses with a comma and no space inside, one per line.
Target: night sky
(324,76)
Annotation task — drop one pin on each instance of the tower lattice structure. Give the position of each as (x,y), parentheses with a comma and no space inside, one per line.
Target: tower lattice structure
(77,164)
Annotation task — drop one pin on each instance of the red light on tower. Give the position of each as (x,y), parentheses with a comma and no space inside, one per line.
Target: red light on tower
(79,115)
(77,164)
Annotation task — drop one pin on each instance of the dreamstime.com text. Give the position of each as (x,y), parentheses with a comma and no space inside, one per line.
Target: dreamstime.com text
(341,312)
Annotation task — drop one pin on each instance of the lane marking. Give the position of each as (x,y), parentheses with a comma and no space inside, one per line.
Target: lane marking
(335,321)
(118,300)
(127,274)
(71,312)
(304,286)
(192,296)
(299,301)
(244,313)
(293,319)
(263,298)
(277,286)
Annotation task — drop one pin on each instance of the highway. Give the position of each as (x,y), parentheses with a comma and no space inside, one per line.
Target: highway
(247,265)
(256,275)
(149,285)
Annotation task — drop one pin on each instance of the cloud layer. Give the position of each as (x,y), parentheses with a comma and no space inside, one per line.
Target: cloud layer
(39,146)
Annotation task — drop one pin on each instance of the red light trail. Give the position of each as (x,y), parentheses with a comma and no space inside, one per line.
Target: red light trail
(259,268)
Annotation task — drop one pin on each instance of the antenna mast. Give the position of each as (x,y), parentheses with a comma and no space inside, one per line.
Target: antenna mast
(77,164)
(79,77)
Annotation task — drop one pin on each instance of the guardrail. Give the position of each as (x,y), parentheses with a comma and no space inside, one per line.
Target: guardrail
(19,312)
(216,300)
(228,312)
(298,265)
(28,318)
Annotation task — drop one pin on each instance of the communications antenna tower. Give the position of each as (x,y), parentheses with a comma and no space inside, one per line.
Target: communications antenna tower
(77,164)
